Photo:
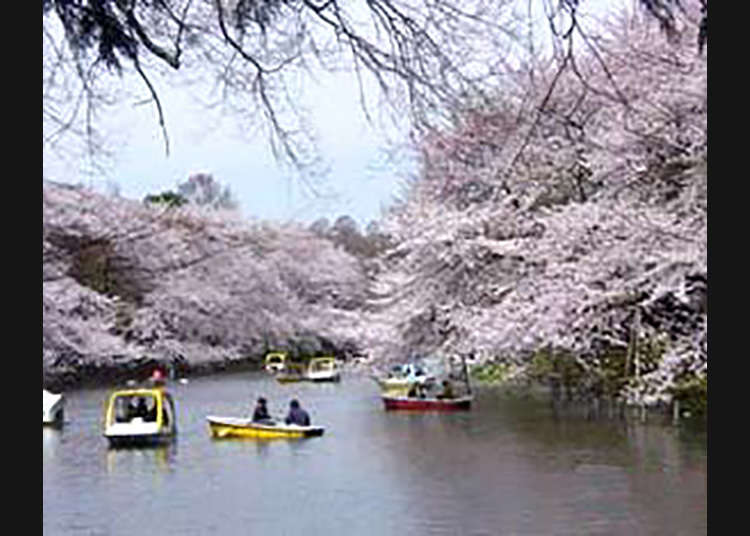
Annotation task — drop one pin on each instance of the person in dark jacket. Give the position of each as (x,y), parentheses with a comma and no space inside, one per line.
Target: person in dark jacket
(261,411)
(447,390)
(297,415)
(140,409)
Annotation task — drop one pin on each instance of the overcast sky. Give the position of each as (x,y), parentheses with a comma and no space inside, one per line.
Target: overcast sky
(360,178)
(359,182)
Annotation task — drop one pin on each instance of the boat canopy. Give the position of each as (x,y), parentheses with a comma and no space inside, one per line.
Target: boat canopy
(322,363)
(275,357)
(142,405)
(409,371)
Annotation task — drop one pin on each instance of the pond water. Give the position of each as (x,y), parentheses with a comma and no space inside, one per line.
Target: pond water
(507,467)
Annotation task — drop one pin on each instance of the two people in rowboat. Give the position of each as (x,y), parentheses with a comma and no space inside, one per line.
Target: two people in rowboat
(297,415)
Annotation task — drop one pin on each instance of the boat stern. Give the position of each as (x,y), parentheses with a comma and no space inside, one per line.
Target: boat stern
(136,433)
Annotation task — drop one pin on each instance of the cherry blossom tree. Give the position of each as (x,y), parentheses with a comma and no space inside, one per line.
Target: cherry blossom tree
(569,223)
(126,283)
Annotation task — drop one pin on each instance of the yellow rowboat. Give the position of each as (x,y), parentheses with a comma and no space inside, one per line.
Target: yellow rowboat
(294,372)
(289,378)
(227,427)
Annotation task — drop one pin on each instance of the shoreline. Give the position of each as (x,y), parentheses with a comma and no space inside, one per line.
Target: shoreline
(596,408)
(93,375)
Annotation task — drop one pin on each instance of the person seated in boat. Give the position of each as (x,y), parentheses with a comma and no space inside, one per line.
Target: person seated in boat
(297,415)
(416,391)
(447,390)
(140,409)
(260,414)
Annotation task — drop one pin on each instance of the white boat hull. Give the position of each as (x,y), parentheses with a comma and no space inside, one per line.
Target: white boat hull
(53,406)
(137,432)
(324,376)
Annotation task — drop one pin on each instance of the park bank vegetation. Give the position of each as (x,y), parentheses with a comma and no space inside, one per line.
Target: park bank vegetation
(128,284)
(560,227)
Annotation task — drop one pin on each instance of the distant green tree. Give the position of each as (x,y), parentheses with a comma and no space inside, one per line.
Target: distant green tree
(168,198)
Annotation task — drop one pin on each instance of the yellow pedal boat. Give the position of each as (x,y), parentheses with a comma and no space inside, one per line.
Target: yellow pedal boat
(275,362)
(323,369)
(140,417)
(226,427)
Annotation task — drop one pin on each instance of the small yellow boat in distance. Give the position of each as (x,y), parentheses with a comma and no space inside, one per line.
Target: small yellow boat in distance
(294,372)
(323,369)
(275,362)
(140,417)
(233,427)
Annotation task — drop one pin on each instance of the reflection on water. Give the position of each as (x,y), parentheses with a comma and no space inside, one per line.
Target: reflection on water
(508,466)
(148,460)
(51,438)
